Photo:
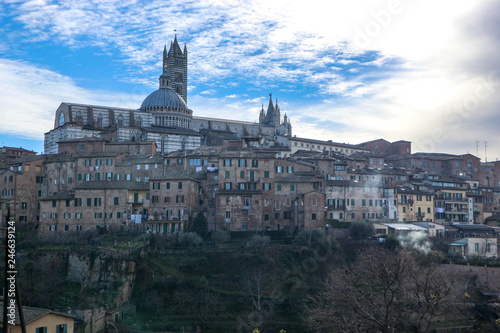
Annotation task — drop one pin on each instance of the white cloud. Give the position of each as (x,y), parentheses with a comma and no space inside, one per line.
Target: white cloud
(30,96)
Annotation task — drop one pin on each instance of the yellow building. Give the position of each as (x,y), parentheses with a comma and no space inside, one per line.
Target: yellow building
(38,320)
(415,206)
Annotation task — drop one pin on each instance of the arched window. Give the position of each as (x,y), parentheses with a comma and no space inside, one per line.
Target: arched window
(120,121)
(61,119)
(99,120)
(79,118)
(138,121)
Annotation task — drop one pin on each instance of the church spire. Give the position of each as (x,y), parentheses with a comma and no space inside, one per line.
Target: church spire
(165,58)
(262,115)
(271,112)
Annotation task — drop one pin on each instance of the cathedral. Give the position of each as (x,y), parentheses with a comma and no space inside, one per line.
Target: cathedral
(165,118)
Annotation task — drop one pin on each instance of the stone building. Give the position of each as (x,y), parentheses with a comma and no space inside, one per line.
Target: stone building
(175,197)
(20,188)
(8,154)
(108,204)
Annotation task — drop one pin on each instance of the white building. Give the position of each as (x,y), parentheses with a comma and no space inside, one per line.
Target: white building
(163,117)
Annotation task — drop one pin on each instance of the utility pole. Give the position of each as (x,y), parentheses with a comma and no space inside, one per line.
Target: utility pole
(485,152)
(477,148)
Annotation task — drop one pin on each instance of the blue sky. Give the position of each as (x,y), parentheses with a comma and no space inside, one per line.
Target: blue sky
(347,71)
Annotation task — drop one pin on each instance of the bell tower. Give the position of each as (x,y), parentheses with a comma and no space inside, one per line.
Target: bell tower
(175,68)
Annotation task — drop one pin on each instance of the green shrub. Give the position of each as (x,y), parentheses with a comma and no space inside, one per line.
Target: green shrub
(190,240)
(220,236)
(259,241)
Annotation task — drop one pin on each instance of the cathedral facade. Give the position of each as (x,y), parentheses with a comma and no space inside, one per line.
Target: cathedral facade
(163,117)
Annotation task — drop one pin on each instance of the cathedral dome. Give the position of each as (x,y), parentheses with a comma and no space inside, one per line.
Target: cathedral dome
(163,98)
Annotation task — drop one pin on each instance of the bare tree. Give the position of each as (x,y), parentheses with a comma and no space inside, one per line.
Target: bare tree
(259,285)
(200,306)
(432,292)
(382,291)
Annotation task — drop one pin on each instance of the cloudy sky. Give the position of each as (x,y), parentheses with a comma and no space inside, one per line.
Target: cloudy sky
(350,71)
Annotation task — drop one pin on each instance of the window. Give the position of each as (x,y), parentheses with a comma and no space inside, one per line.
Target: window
(227,174)
(146,166)
(88,162)
(363,202)
(403,199)
(109,161)
(314,202)
(242,163)
(156,186)
(42,329)
(67,216)
(227,186)
(266,186)
(194,162)
(116,201)
(313,216)
(266,174)
(247,202)
(278,187)
(476,247)
(98,162)
(227,162)
(63,328)
(255,163)
(228,216)
(242,174)
(292,187)
(289,169)
(179,185)
(167,185)
(154,199)
(78,202)
(97,201)
(279,169)
(138,167)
